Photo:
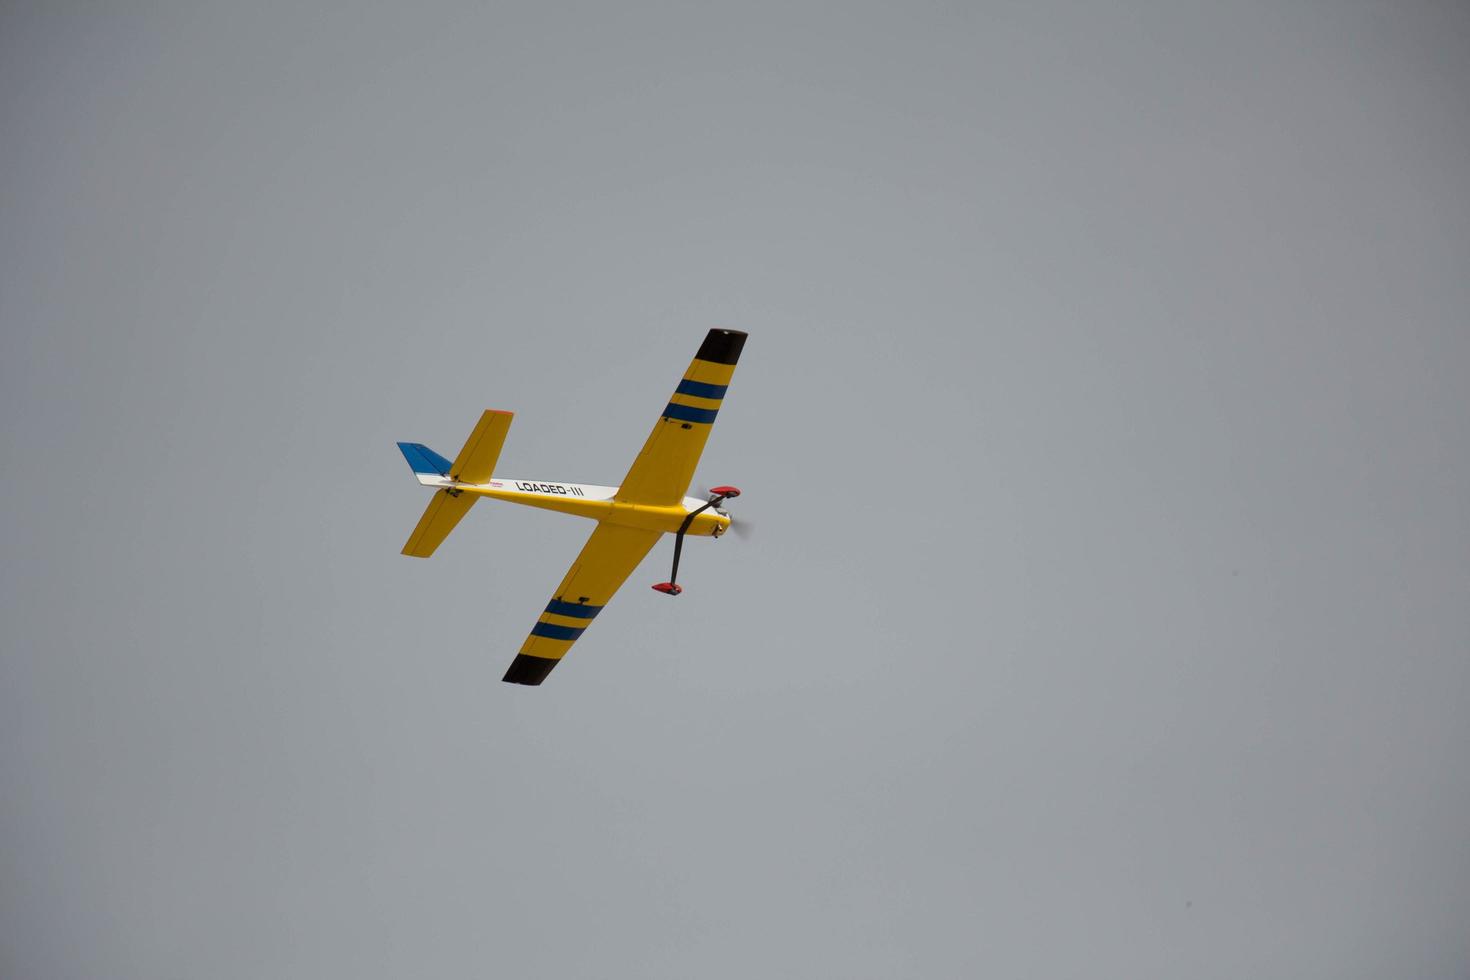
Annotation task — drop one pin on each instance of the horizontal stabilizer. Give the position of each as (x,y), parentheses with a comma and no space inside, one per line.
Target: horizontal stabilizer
(474,465)
(440,517)
(476,461)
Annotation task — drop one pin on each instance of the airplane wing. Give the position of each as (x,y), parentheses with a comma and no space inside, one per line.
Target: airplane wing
(661,473)
(606,561)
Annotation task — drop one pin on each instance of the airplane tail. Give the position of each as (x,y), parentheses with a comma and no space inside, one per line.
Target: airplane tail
(474,464)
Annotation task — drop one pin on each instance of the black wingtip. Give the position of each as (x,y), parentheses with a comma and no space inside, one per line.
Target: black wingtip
(722,346)
(528,670)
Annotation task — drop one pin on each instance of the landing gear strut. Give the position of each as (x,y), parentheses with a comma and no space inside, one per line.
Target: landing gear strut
(717,496)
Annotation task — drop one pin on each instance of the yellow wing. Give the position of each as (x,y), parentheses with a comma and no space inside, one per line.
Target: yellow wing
(606,561)
(660,475)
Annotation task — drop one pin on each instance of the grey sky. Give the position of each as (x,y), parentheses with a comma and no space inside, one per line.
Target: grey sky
(1104,418)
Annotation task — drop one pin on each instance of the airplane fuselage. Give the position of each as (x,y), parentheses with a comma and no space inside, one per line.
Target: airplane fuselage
(589,500)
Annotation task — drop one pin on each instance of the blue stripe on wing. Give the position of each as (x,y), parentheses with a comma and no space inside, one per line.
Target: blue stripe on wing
(684,413)
(700,390)
(576,610)
(553,632)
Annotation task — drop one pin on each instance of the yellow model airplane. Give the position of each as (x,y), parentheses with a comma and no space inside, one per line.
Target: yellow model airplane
(630,518)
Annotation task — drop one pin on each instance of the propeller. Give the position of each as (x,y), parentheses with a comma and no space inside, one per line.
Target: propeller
(743,528)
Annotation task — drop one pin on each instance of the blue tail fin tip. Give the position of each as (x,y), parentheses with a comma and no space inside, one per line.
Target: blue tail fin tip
(422,459)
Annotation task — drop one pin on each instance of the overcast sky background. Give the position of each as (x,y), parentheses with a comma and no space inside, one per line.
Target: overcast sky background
(1104,418)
